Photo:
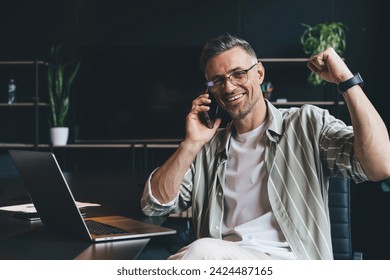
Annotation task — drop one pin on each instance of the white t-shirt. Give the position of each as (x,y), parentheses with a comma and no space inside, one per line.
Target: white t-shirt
(248,217)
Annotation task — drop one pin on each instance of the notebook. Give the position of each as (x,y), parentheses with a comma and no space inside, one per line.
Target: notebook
(56,206)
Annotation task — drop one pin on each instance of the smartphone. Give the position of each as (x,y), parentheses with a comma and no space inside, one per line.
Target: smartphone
(208,117)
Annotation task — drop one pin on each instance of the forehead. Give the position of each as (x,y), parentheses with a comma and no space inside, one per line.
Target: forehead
(227,62)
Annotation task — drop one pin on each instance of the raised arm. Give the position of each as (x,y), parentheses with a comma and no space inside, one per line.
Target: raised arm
(167,179)
(371,138)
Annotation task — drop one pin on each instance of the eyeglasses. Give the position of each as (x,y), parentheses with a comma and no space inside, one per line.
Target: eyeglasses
(237,78)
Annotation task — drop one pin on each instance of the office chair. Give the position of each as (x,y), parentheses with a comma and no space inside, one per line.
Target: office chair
(7,168)
(340,219)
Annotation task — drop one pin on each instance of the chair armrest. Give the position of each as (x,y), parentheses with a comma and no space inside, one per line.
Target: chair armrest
(357,256)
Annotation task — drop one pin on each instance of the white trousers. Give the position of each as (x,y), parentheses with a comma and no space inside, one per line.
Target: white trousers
(217,249)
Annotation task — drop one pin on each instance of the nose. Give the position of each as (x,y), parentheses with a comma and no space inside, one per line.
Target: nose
(229,85)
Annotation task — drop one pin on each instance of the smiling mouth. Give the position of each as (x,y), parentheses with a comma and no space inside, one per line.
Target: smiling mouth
(234,97)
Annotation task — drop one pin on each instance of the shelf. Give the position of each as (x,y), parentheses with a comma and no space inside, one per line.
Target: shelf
(297,59)
(22,145)
(298,103)
(33,103)
(283,59)
(162,146)
(25,62)
(118,146)
(24,104)
(92,146)
(147,141)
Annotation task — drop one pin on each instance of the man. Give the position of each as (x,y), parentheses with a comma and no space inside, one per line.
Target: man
(258,188)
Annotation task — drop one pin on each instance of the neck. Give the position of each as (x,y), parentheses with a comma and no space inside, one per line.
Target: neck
(253,120)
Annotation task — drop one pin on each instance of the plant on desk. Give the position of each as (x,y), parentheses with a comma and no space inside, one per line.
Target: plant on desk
(60,76)
(319,37)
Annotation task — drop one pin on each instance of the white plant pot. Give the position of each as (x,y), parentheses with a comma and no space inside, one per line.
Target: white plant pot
(59,135)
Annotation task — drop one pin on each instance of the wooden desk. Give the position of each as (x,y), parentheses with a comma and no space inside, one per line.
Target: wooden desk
(119,194)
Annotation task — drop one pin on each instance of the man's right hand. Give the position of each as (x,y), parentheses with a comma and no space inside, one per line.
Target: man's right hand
(198,133)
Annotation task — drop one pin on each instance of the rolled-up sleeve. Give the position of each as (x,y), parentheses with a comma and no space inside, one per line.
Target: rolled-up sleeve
(337,144)
(151,206)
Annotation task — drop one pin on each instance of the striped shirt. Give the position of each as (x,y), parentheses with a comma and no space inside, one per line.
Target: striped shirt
(304,147)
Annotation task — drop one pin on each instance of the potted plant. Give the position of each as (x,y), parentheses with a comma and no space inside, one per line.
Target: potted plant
(317,38)
(60,76)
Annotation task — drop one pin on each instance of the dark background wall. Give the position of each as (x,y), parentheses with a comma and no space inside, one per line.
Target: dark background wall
(138,53)
(127,48)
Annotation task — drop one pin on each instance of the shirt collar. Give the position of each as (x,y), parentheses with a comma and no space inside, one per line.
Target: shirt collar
(275,119)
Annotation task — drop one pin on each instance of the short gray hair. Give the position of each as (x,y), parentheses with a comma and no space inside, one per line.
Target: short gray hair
(221,44)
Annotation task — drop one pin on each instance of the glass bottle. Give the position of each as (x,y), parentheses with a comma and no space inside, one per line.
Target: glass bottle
(11,92)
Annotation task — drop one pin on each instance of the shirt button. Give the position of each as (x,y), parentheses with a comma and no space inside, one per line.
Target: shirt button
(219,194)
(216,227)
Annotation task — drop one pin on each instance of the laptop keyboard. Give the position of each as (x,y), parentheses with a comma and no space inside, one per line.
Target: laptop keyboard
(97,228)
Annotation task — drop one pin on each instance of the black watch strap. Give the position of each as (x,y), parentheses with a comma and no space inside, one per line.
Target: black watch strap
(355,80)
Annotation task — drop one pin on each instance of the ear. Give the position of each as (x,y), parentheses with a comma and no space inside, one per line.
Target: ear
(260,72)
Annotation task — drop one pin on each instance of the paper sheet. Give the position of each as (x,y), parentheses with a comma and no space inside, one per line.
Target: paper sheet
(30,208)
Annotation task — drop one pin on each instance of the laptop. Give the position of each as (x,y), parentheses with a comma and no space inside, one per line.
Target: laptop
(56,206)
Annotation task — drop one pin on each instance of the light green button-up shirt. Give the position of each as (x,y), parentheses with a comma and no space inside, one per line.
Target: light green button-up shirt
(305,146)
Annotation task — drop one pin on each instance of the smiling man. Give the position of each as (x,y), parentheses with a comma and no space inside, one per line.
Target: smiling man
(258,188)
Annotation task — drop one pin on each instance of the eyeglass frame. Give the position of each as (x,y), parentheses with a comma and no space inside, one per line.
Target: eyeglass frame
(210,84)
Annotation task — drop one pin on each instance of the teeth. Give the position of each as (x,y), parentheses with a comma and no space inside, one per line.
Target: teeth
(235,97)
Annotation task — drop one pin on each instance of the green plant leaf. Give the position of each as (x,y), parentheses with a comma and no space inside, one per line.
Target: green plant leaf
(60,77)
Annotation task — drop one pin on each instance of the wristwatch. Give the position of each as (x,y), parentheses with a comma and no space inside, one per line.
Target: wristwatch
(355,80)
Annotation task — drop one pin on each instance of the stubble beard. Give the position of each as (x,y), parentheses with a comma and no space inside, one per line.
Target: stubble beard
(241,114)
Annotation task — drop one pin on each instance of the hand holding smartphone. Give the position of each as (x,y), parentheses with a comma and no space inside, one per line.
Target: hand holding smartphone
(208,117)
